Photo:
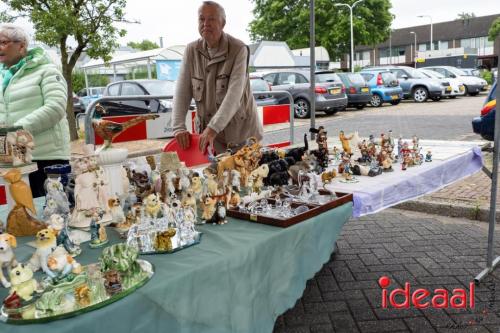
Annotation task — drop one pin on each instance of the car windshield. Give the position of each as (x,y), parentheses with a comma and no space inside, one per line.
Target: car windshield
(432,74)
(388,77)
(415,73)
(356,78)
(159,87)
(457,71)
(259,84)
(327,77)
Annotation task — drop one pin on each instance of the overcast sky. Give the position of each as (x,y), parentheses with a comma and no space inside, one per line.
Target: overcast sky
(176,20)
(178,23)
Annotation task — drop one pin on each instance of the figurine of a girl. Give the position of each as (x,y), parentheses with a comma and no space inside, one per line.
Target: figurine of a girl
(98,236)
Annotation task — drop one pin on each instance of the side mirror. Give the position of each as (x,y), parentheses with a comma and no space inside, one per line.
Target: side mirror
(404,76)
(453,76)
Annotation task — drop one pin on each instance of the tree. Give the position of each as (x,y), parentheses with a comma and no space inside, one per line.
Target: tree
(89,23)
(288,20)
(494,30)
(465,16)
(95,80)
(144,45)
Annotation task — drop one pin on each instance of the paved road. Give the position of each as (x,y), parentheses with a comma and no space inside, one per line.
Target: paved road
(444,120)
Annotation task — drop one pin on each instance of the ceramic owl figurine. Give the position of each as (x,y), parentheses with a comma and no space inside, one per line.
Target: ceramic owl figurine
(19,221)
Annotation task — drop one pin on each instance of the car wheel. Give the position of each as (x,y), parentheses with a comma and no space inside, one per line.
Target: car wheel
(452,97)
(302,108)
(436,99)
(466,90)
(396,102)
(330,112)
(474,93)
(420,94)
(360,107)
(376,101)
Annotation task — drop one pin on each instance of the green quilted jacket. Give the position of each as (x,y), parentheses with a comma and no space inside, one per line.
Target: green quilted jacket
(35,98)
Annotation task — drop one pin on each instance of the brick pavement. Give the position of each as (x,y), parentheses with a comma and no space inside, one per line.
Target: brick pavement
(426,250)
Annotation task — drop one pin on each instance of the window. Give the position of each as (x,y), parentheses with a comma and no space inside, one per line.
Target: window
(443,45)
(367,76)
(271,78)
(114,90)
(129,89)
(327,77)
(423,47)
(286,78)
(441,71)
(299,78)
(399,73)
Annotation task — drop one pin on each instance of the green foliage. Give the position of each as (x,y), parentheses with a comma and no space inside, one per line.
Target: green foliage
(140,72)
(95,80)
(288,20)
(358,68)
(91,24)
(144,45)
(494,30)
(488,76)
(465,16)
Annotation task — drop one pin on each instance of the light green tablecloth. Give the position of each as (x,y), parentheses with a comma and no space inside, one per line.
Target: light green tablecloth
(239,279)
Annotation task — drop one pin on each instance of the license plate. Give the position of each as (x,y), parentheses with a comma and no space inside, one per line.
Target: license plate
(364,90)
(461,88)
(395,97)
(335,91)
(448,88)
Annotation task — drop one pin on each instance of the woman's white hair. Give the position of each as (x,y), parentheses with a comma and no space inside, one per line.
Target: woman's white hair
(14,33)
(220,9)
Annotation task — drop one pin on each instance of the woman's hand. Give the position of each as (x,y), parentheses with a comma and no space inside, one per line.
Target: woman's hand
(207,139)
(182,138)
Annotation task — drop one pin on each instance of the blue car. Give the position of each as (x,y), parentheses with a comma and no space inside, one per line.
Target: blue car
(384,87)
(484,125)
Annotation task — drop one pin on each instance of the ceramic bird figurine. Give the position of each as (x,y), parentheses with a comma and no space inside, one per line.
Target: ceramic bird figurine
(19,221)
(108,130)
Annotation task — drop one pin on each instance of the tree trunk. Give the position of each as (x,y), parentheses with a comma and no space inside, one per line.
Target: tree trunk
(70,114)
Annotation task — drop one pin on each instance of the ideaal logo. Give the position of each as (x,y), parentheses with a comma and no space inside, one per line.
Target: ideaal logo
(419,298)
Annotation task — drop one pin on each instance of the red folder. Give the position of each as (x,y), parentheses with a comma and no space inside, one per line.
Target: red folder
(192,156)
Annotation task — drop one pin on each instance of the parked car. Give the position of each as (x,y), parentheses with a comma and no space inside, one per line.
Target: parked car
(358,92)
(138,87)
(484,125)
(77,104)
(88,95)
(384,87)
(258,84)
(472,85)
(471,72)
(454,89)
(330,96)
(415,85)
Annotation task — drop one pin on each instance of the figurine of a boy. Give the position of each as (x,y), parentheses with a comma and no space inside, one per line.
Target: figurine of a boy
(428,156)
(98,236)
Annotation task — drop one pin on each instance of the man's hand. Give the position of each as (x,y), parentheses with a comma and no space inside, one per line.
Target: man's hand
(207,139)
(182,138)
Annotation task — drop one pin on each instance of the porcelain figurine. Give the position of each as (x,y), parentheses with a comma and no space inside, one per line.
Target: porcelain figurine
(19,221)
(211,185)
(45,243)
(196,185)
(327,176)
(22,145)
(375,169)
(98,236)
(153,206)
(208,206)
(386,161)
(219,215)
(117,214)
(189,199)
(235,198)
(59,224)
(428,156)
(140,181)
(184,182)
(400,147)
(82,295)
(22,282)
(170,178)
(7,257)
(163,240)
(123,259)
(112,282)
(55,190)
(345,142)
(258,176)
(61,263)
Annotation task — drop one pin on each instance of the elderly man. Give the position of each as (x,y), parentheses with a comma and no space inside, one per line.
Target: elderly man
(34,96)
(215,73)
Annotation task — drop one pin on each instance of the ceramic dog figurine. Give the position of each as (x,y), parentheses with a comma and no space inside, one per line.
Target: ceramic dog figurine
(116,209)
(236,179)
(219,215)
(211,184)
(7,257)
(196,185)
(152,206)
(163,240)
(189,200)
(208,205)
(22,282)
(258,176)
(45,243)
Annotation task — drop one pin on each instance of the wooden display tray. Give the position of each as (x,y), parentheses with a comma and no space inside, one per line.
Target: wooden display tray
(314,210)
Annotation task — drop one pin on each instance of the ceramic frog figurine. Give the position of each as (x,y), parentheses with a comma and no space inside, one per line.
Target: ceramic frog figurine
(122,258)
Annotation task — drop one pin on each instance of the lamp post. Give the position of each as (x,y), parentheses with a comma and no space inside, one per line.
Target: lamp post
(415,55)
(351,7)
(430,17)
(390,46)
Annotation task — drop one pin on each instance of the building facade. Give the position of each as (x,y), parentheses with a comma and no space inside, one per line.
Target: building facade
(464,40)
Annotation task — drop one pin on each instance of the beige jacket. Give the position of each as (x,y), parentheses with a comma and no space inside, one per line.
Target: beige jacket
(221,89)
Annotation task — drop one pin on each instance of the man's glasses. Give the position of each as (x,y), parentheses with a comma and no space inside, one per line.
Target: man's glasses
(4,43)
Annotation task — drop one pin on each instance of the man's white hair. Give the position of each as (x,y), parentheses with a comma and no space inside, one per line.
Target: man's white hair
(14,33)
(220,9)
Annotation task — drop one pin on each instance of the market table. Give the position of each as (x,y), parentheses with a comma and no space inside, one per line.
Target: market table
(240,278)
(451,161)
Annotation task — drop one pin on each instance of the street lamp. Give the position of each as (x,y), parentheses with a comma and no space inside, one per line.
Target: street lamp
(415,55)
(352,35)
(430,17)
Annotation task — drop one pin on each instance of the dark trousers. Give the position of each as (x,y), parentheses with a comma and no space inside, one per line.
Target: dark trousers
(37,178)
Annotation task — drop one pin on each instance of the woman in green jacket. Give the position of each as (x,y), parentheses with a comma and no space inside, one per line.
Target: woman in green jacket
(33,94)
